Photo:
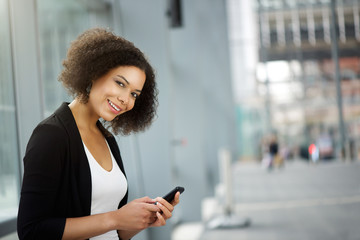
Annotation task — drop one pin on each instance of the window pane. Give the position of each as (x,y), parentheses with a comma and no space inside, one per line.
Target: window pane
(60,22)
(9,159)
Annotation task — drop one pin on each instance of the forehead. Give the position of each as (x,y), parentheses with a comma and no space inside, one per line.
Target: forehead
(127,70)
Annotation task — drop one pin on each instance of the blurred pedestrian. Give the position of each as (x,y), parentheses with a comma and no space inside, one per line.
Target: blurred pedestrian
(276,159)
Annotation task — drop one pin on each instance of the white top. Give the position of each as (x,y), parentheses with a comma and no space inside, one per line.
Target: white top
(108,189)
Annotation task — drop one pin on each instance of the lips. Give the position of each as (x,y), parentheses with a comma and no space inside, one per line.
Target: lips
(115,108)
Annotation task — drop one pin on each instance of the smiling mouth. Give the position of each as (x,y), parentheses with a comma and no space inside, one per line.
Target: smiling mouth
(114,106)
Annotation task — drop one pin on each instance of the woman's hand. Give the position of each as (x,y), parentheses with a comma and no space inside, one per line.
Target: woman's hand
(166,210)
(137,214)
(145,212)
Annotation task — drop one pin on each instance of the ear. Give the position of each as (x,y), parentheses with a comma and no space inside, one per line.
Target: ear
(88,88)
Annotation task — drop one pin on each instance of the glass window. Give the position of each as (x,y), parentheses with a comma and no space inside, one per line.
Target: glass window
(60,22)
(9,158)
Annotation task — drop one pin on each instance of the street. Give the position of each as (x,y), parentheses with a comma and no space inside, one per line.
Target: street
(302,201)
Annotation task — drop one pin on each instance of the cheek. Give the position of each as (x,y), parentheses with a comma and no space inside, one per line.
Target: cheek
(131,105)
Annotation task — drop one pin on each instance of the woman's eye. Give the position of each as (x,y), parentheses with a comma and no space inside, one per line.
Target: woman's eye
(135,95)
(120,83)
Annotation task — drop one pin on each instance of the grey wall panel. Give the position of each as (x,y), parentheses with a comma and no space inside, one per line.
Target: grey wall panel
(26,68)
(203,98)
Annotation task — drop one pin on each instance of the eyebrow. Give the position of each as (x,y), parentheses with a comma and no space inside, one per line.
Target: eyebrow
(127,82)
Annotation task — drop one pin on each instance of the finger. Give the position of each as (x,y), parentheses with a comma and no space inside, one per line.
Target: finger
(165,211)
(169,206)
(160,218)
(145,200)
(154,218)
(153,215)
(176,199)
(151,220)
(151,207)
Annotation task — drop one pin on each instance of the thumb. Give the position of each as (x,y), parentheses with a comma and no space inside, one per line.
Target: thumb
(146,200)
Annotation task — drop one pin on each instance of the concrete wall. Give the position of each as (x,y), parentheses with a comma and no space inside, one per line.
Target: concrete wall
(196,111)
(203,113)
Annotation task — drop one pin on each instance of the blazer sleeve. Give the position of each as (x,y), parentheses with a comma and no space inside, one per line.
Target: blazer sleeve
(43,166)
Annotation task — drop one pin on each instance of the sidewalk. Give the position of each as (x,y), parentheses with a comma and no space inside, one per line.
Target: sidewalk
(300,202)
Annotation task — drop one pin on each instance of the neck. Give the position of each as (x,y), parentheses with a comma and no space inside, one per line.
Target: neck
(85,117)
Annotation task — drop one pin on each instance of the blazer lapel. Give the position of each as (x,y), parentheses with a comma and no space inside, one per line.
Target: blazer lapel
(79,165)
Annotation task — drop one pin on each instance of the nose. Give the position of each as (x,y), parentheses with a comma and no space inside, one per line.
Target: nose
(123,99)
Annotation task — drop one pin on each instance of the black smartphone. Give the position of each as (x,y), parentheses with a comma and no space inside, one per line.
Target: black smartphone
(170,196)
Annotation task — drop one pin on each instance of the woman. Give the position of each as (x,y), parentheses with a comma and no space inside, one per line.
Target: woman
(74,184)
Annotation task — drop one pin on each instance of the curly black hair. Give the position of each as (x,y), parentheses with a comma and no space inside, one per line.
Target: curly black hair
(92,55)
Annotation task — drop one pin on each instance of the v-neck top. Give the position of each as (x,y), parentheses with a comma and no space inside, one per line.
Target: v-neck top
(108,189)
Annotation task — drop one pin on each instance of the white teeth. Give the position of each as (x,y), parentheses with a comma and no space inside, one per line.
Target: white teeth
(117,109)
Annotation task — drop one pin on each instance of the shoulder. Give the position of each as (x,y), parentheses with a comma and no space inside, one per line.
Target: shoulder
(51,126)
(48,135)
(47,148)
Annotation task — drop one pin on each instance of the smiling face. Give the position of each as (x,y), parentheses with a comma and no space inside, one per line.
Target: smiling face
(115,93)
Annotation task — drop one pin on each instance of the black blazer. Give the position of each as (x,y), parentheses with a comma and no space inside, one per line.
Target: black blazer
(57,178)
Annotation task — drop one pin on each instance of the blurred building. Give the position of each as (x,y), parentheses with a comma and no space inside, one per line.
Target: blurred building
(296,87)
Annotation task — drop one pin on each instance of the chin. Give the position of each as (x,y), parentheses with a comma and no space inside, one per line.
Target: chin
(112,117)
(109,118)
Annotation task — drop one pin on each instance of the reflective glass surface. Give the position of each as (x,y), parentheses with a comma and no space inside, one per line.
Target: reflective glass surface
(59,23)
(9,159)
